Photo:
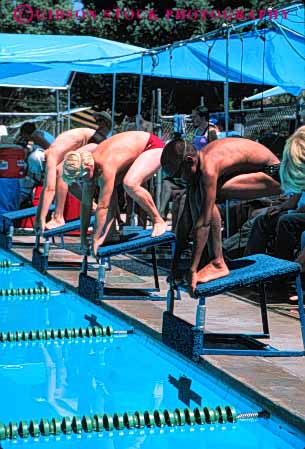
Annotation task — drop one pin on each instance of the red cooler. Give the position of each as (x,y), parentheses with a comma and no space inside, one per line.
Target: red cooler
(12,161)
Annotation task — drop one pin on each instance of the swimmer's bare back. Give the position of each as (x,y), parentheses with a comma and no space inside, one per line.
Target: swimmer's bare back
(236,155)
(67,141)
(120,151)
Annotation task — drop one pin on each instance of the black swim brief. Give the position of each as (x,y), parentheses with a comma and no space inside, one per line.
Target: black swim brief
(273,171)
(97,138)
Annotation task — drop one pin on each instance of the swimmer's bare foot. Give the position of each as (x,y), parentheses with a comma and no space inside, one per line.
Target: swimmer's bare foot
(216,269)
(159,228)
(55,223)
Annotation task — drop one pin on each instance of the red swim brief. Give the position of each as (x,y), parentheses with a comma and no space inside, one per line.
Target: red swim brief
(154,142)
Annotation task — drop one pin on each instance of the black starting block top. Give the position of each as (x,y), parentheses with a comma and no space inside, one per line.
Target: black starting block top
(73,225)
(247,271)
(141,240)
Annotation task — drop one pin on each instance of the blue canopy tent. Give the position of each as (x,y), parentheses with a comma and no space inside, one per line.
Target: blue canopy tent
(35,76)
(272,56)
(44,61)
(29,48)
(269,56)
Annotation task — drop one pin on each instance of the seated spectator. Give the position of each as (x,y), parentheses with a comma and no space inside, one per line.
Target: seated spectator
(284,224)
(280,224)
(39,137)
(33,178)
(205,131)
(292,171)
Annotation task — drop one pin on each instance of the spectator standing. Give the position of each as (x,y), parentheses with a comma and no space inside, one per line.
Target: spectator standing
(39,137)
(205,131)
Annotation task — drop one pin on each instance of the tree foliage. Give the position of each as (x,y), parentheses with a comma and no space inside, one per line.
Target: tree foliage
(159,23)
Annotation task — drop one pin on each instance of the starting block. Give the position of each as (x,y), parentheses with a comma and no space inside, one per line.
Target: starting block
(194,341)
(40,259)
(7,224)
(94,289)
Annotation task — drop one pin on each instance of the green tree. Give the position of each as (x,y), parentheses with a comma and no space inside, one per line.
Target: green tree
(17,18)
(146,31)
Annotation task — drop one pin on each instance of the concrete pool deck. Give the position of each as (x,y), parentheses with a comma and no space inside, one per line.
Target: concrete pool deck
(276,383)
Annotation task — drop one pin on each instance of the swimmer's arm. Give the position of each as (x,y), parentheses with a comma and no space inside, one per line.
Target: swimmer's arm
(48,191)
(87,194)
(101,225)
(183,229)
(202,227)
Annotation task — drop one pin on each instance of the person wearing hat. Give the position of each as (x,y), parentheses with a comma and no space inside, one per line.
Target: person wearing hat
(104,123)
(206,131)
(33,178)
(39,137)
(71,140)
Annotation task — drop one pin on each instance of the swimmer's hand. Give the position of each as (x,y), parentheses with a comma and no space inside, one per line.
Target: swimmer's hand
(191,279)
(94,206)
(96,244)
(274,210)
(39,227)
(85,247)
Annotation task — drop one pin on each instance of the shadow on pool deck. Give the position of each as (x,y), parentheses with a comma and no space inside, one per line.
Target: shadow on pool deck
(276,383)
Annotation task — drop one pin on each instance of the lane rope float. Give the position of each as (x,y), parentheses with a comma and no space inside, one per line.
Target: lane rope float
(31,291)
(66,333)
(128,420)
(6,263)
(94,323)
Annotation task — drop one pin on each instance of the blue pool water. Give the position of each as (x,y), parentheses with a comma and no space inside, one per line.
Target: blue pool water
(84,376)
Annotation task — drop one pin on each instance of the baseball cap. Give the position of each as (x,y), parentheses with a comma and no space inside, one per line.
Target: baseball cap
(103,114)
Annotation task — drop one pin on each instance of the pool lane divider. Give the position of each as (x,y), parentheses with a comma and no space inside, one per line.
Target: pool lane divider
(128,420)
(6,263)
(30,291)
(67,333)
(94,323)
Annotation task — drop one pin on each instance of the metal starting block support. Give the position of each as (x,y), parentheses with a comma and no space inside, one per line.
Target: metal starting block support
(194,341)
(6,236)
(7,224)
(40,259)
(94,289)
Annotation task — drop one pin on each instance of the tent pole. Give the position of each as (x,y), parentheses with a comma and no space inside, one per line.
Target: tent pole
(138,119)
(298,104)
(138,125)
(153,108)
(226,108)
(69,107)
(159,104)
(69,98)
(57,114)
(159,174)
(226,84)
(113,102)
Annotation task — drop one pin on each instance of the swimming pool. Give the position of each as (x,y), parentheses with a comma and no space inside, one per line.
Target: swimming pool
(111,376)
